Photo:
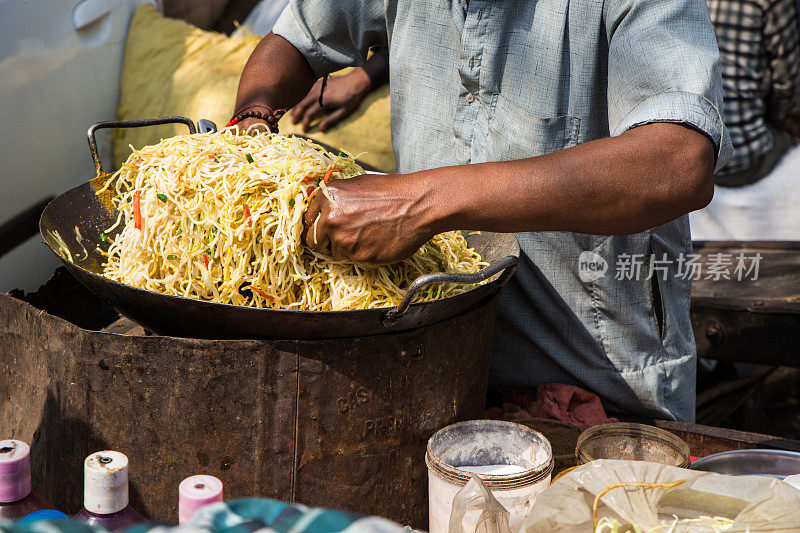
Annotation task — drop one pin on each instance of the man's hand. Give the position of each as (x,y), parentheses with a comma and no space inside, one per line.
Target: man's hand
(372,218)
(343,95)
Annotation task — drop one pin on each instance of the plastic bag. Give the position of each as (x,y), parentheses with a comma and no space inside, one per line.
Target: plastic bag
(474,496)
(754,503)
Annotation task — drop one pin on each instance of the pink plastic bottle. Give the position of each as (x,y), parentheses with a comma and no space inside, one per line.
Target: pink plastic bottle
(105,492)
(195,492)
(16,497)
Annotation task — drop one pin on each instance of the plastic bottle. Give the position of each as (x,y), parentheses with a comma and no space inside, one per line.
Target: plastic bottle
(195,492)
(16,497)
(105,492)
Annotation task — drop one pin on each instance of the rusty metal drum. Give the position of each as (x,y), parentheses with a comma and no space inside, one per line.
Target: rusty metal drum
(339,423)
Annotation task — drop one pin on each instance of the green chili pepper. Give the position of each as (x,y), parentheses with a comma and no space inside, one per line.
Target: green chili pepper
(238,217)
(103,236)
(179,232)
(172,257)
(249,158)
(162,197)
(342,154)
(291,202)
(198,278)
(216,159)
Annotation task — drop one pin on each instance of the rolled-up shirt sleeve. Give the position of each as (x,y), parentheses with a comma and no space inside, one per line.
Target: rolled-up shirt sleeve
(663,66)
(333,34)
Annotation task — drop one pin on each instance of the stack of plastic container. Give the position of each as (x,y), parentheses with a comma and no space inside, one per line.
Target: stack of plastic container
(105,490)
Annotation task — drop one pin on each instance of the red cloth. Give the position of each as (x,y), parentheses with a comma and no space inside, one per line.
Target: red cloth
(554,401)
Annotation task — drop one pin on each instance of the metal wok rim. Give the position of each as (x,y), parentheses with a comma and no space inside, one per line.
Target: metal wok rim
(183,316)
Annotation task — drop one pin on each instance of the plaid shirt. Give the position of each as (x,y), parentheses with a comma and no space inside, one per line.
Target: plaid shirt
(760,62)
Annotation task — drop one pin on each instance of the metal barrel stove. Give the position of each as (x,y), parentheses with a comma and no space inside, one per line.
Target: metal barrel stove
(337,423)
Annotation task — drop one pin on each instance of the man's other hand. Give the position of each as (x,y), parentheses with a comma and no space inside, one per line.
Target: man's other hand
(343,95)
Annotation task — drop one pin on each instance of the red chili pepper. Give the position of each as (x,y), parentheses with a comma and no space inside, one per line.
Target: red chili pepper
(329,173)
(206,259)
(309,190)
(248,219)
(307,179)
(137,210)
(262,293)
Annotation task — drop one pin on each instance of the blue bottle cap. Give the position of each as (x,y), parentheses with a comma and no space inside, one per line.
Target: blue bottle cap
(44,514)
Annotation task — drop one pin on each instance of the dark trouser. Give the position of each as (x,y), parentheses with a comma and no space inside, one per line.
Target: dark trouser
(782,141)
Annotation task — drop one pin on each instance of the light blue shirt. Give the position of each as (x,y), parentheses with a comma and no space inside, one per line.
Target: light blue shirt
(496,80)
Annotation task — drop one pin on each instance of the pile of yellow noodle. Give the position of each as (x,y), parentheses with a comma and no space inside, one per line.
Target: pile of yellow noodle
(197,240)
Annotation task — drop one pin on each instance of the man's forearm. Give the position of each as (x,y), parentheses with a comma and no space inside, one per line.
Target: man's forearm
(276,75)
(627,184)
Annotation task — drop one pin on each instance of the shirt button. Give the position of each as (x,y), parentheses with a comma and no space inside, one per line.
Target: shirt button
(470,98)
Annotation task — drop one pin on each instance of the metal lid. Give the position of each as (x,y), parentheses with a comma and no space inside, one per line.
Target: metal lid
(195,492)
(105,482)
(772,463)
(15,470)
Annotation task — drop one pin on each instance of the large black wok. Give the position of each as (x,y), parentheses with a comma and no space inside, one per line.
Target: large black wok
(91,214)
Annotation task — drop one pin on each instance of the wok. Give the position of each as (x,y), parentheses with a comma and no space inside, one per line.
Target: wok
(79,216)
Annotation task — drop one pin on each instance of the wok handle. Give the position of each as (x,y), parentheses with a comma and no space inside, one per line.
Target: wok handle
(507,265)
(206,126)
(130,124)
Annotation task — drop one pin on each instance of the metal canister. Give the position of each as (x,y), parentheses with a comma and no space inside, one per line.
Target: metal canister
(513,461)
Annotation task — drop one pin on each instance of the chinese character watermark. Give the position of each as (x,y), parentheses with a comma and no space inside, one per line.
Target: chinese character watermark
(717,266)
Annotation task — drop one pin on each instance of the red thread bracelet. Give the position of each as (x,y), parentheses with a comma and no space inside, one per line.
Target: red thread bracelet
(271,117)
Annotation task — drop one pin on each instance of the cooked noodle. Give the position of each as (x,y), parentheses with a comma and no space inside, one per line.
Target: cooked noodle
(219,218)
(715,524)
(712,524)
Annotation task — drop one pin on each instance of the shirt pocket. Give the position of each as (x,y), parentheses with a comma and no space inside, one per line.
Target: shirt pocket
(516,134)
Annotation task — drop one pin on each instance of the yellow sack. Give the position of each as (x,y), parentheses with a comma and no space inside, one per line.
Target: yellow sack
(173,68)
